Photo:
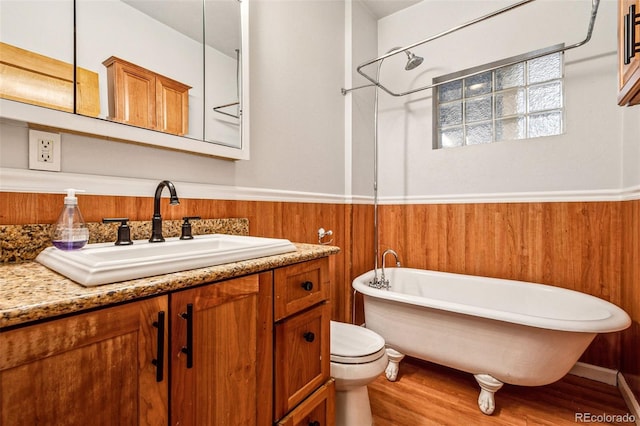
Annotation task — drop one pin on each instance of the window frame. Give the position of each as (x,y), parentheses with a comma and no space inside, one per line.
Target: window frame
(493,66)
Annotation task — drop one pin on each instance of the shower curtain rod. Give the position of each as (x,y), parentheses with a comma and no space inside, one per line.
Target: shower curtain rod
(540,53)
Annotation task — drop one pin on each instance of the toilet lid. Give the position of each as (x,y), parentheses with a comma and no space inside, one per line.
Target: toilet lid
(352,344)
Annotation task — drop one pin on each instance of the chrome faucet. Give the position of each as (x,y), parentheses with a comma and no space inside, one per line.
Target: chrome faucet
(383,280)
(156,221)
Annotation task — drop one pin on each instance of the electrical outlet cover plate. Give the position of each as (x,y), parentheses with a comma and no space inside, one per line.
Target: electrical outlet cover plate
(44,150)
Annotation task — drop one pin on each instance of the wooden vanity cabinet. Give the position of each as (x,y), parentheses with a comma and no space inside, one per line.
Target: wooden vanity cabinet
(252,350)
(143,98)
(91,368)
(628,74)
(221,353)
(302,345)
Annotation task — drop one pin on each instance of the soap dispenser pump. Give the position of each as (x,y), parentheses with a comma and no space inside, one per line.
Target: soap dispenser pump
(70,232)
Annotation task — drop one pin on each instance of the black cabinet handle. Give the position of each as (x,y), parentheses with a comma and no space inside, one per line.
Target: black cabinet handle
(189,348)
(309,336)
(159,360)
(314,423)
(307,285)
(631,46)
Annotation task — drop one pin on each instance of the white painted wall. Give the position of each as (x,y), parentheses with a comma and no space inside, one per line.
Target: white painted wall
(631,151)
(586,158)
(46,39)
(297,111)
(364,41)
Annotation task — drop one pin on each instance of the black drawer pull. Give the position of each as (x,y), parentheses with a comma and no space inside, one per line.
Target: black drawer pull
(631,45)
(309,336)
(307,285)
(159,360)
(314,423)
(189,348)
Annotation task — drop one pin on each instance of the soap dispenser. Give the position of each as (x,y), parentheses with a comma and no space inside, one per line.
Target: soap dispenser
(70,232)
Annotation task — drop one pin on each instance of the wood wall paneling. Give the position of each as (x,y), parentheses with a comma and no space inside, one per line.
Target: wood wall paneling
(362,255)
(570,245)
(630,355)
(591,247)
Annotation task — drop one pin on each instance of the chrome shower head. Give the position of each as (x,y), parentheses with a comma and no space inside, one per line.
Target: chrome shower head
(413,61)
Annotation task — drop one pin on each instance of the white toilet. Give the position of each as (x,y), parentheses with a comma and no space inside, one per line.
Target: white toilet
(358,356)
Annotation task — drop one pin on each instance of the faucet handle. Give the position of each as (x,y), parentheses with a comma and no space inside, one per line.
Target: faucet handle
(186,227)
(124,232)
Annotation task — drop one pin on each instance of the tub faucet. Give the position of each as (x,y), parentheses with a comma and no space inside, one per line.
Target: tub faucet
(156,225)
(383,280)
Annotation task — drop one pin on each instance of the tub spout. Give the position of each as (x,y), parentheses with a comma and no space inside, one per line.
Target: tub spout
(383,280)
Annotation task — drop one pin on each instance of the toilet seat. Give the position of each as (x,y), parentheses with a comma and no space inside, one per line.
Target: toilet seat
(351,344)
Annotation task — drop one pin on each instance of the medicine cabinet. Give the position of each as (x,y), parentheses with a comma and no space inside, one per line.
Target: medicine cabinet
(184,87)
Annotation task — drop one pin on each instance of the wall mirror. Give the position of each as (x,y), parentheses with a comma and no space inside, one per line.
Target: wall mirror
(160,72)
(37,66)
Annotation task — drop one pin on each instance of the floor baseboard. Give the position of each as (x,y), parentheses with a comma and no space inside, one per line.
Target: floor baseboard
(613,378)
(594,372)
(629,398)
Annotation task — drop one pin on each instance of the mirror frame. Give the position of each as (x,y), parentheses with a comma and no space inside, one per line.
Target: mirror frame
(89,126)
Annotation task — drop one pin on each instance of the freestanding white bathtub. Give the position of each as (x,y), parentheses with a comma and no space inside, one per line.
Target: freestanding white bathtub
(501,331)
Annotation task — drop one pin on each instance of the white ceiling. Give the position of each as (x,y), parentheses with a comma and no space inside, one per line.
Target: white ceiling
(185,16)
(382,8)
(223,18)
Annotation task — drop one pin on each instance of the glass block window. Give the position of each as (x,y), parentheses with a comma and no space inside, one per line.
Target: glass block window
(517,101)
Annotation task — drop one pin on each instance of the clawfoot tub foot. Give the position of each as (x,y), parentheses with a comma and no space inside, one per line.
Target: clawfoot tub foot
(489,386)
(394,364)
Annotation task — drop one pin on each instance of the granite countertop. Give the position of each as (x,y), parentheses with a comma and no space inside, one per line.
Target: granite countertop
(30,292)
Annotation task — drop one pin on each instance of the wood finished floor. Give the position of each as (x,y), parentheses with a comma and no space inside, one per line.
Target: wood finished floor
(428,394)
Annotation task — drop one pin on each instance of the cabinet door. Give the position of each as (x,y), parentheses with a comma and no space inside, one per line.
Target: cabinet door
(132,93)
(221,353)
(302,357)
(172,103)
(629,74)
(95,368)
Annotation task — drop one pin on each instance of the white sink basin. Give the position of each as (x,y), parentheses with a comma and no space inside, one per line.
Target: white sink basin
(105,263)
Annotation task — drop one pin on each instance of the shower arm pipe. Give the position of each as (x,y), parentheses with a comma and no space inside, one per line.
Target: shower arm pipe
(376,231)
(345,91)
(542,52)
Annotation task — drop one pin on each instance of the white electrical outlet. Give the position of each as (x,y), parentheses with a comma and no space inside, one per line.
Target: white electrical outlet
(44,150)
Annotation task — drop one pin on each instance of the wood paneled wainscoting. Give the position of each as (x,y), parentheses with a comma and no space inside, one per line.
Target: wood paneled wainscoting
(631,294)
(570,245)
(593,247)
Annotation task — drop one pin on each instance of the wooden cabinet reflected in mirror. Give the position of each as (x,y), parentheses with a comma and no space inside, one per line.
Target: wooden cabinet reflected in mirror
(143,98)
(157,80)
(36,79)
(36,67)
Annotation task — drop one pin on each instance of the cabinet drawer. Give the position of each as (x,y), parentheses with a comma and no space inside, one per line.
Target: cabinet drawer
(319,409)
(300,286)
(301,357)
